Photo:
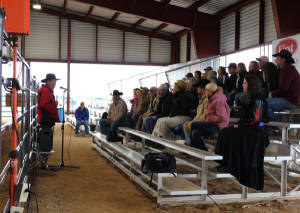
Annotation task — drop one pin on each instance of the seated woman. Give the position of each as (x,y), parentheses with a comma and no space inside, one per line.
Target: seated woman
(200,116)
(242,146)
(217,116)
(180,112)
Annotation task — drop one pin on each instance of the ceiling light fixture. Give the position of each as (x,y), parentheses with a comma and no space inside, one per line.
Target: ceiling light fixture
(37,5)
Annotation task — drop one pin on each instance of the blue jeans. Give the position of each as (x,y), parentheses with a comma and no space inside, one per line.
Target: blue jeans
(230,98)
(149,124)
(278,104)
(200,129)
(86,127)
(105,126)
(239,98)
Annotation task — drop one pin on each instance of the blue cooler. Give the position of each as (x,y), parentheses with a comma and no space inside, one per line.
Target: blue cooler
(60,114)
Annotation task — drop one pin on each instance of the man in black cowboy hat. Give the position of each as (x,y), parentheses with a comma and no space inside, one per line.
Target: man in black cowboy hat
(116,114)
(47,109)
(287,96)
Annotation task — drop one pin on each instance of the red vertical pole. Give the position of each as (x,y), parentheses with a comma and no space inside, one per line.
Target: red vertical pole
(69,66)
(13,153)
(123,53)
(59,39)
(149,59)
(96,43)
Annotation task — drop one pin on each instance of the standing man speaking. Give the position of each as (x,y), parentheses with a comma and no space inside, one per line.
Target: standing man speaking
(47,112)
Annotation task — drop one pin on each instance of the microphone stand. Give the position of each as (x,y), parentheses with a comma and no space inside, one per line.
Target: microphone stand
(62,164)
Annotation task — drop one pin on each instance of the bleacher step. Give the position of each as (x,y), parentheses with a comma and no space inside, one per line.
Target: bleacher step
(181,186)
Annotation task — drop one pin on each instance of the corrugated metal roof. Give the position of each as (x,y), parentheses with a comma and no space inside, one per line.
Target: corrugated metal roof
(103,12)
(173,28)
(151,24)
(182,3)
(131,19)
(215,6)
(56,3)
(79,7)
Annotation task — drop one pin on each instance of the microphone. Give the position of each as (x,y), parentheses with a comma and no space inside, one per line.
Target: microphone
(64,88)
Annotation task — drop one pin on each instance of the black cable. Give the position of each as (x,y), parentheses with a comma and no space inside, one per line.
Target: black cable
(222,209)
(69,145)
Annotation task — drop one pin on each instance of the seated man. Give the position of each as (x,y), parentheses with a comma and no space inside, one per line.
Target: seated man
(180,112)
(287,96)
(163,108)
(116,114)
(82,118)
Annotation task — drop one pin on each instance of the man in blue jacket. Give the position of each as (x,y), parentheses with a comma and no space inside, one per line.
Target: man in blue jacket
(82,118)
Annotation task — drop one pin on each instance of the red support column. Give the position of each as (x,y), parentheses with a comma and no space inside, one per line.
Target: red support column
(188,47)
(96,43)
(14,154)
(149,59)
(69,66)
(262,22)
(237,30)
(59,39)
(123,50)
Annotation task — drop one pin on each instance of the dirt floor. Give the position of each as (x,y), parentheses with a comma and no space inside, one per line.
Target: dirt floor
(98,187)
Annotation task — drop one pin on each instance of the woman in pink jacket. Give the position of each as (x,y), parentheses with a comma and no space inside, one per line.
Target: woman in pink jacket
(217,117)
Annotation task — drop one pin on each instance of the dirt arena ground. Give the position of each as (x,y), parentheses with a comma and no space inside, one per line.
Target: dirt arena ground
(97,187)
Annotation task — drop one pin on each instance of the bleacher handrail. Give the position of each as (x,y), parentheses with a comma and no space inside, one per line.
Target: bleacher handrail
(203,155)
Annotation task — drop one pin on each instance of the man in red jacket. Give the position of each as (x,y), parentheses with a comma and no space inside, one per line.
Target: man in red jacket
(47,109)
(287,96)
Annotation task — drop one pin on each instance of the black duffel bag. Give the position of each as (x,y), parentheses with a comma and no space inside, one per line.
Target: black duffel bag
(158,163)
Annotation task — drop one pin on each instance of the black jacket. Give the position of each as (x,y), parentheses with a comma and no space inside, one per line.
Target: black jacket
(194,98)
(164,105)
(254,112)
(230,83)
(181,104)
(239,85)
(243,148)
(222,80)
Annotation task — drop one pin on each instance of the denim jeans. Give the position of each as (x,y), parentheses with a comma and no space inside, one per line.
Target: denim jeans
(86,127)
(278,104)
(230,98)
(149,124)
(200,129)
(105,126)
(239,98)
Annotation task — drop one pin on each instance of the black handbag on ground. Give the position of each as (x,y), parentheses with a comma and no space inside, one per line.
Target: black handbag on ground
(158,163)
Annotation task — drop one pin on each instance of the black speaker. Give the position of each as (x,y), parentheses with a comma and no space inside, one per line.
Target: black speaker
(45,139)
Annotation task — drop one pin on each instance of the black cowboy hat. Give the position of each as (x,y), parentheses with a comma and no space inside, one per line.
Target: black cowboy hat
(49,77)
(116,92)
(286,55)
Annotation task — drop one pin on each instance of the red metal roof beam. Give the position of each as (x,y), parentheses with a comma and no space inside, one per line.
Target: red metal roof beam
(159,28)
(65,7)
(198,4)
(139,22)
(115,16)
(90,11)
(105,23)
(157,11)
(181,33)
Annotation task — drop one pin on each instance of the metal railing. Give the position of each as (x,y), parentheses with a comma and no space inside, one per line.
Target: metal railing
(23,124)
